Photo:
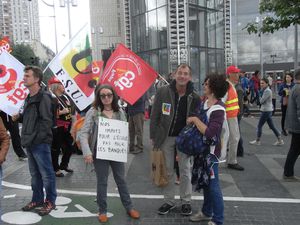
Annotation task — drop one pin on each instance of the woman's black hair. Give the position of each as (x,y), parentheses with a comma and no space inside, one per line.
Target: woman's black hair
(217,84)
(98,102)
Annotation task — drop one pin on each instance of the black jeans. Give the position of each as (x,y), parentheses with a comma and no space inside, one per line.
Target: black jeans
(13,128)
(292,155)
(283,111)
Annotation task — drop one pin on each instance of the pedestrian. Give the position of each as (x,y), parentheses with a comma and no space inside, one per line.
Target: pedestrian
(105,105)
(213,206)
(36,137)
(136,114)
(254,86)
(266,114)
(293,125)
(232,110)
(13,128)
(240,92)
(284,90)
(4,146)
(172,104)
(62,139)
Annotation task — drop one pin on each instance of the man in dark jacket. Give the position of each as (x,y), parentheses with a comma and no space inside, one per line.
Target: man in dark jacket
(36,137)
(172,105)
(293,126)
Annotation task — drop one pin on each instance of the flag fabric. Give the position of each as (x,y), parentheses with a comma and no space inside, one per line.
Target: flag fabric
(12,89)
(73,66)
(5,45)
(128,74)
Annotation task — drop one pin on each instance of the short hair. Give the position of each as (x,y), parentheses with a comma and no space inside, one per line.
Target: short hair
(36,71)
(184,65)
(264,79)
(297,74)
(217,84)
(98,102)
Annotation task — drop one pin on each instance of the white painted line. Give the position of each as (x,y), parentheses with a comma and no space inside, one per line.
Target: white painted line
(9,196)
(138,196)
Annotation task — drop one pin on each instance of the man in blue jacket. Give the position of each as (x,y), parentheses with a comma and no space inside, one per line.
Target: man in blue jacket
(36,137)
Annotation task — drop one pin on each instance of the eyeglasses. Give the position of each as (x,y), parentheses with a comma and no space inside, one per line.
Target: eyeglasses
(103,96)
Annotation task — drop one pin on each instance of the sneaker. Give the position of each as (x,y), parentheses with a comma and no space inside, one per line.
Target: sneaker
(67,169)
(199,217)
(211,223)
(165,209)
(279,142)
(177,181)
(284,132)
(133,214)
(255,142)
(46,209)
(235,167)
(102,218)
(186,209)
(59,174)
(136,151)
(32,205)
(291,178)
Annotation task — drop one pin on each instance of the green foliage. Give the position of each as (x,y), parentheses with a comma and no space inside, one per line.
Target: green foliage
(279,14)
(25,54)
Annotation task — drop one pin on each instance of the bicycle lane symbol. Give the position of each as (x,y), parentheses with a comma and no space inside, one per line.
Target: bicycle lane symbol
(26,218)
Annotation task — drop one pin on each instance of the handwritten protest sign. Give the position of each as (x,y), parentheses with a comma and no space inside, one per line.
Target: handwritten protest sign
(112,141)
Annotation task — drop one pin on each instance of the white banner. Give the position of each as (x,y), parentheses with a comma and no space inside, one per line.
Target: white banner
(12,90)
(112,142)
(73,67)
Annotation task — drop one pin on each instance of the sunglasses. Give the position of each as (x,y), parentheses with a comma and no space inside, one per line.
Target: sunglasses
(103,96)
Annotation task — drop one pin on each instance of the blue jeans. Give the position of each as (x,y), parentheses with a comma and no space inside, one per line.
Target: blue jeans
(42,173)
(213,205)
(118,170)
(266,117)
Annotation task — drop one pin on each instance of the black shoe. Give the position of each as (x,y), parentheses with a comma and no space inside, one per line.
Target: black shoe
(186,210)
(32,205)
(67,169)
(165,208)
(235,167)
(284,133)
(240,154)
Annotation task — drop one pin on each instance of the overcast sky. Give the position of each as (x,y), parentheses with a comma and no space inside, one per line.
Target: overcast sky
(79,17)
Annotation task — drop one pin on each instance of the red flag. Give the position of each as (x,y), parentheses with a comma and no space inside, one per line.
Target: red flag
(128,74)
(5,45)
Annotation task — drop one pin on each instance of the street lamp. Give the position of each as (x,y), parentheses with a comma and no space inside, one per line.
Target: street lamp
(62,3)
(273,56)
(259,20)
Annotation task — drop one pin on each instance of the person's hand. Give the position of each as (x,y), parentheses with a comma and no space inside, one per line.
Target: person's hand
(191,120)
(64,111)
(88,159)
(15,117)
(2,159)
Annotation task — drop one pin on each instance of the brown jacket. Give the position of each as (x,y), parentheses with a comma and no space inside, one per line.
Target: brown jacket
(4,142)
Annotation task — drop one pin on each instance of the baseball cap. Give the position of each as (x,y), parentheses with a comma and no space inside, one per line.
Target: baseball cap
(53,80)
(232,69)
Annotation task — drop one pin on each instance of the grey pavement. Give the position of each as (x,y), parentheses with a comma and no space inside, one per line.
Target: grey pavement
(255,196)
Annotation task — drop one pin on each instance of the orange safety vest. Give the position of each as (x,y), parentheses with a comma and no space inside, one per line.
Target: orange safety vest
(232,103)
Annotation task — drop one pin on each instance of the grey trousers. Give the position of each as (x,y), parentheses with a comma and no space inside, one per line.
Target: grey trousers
(185,165)
(136,127)
(234,137)
(118,170)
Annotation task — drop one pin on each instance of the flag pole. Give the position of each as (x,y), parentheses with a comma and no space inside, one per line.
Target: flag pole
(163,79)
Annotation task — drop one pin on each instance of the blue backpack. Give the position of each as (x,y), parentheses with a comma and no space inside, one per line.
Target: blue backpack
(190,141)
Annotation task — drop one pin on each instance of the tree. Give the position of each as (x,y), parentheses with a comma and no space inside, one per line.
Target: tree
(25,54)
(279,14)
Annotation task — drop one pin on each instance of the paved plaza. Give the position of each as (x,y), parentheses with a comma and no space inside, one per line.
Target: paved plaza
(256,196)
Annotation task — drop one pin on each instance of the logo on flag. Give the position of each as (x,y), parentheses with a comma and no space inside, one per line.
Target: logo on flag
(4,45)
(129,74)
(12,91)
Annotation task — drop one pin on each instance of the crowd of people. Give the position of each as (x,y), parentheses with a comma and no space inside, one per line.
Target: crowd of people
(47,118)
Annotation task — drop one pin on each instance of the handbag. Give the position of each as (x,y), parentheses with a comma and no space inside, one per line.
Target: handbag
(158,167)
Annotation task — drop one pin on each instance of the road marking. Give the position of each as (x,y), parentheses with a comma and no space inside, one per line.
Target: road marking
(138,196)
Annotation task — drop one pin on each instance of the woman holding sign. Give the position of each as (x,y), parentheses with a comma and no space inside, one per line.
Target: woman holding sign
(105,105)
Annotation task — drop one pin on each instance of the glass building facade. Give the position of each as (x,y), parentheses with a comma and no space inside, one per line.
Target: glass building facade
(200,42)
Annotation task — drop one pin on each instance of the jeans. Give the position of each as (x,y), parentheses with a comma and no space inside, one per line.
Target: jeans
(118,170)
(283,111)
(266,117)
(292,155)
(42,173)
(213,205)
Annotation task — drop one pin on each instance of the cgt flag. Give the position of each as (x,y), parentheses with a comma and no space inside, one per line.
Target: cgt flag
(12,90)
(74,67)
(128,74)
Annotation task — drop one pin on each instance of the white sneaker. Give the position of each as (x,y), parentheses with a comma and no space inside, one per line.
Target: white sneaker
(199,217)
(255,142)
(211,223)
(279,142)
